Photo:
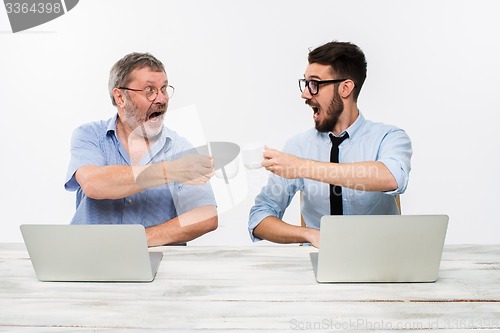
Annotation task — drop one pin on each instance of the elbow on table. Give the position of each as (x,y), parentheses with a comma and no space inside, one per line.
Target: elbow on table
(212,223)
(211,217)
(391,184)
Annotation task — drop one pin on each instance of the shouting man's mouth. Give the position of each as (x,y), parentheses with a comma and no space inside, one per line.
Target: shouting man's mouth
(156,112)
(314,108)
(155,116)
(315,111)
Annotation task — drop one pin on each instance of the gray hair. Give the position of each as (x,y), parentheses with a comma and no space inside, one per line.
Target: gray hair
(120,74)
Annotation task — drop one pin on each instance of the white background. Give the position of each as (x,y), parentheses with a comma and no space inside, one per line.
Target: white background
(433,69)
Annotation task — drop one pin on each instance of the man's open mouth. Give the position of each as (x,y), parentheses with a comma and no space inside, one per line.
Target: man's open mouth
(155,115)
(156,111)
(313,107)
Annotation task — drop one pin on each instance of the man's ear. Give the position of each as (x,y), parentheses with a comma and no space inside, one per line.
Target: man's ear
(346,88)
(119,97)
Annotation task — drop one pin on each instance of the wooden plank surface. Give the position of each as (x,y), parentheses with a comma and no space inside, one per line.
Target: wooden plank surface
(251,288)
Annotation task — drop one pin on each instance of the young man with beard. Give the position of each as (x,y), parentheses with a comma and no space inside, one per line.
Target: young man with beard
(361,177)
(131,169)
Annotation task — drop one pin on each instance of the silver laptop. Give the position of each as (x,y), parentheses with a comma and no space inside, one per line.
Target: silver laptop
(97,252)
(380,248)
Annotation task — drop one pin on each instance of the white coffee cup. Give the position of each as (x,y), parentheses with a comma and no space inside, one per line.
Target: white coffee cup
(253,155)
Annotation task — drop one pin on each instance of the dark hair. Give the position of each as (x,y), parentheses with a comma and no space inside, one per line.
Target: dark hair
(346,59)
(119,76)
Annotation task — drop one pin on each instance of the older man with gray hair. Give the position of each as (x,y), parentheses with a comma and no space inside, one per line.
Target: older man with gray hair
(131,169)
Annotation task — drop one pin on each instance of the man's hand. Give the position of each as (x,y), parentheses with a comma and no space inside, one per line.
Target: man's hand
(190,169)
(312,236)
(283,164)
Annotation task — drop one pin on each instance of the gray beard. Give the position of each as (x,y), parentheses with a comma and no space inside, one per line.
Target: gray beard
(139,127)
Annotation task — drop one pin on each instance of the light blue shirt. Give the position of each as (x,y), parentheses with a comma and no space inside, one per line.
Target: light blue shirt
(97,144)
(368,141)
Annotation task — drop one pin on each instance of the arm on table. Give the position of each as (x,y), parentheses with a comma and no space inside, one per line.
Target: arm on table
(275,230)
(184,228)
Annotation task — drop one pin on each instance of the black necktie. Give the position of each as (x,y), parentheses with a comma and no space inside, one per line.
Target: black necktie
(336,191)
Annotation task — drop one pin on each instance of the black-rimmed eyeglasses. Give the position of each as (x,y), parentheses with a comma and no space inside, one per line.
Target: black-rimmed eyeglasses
(152,92)
(313,85)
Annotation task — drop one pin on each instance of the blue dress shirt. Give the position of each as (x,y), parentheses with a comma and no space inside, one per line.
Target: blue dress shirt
(97,144)
(368,141)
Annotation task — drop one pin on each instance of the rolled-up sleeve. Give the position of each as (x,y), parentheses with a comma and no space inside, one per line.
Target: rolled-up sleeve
(395,152)
(273,200)
(85,150)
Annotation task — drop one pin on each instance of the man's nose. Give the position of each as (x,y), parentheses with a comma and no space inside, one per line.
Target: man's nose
(161,98)
(306,94)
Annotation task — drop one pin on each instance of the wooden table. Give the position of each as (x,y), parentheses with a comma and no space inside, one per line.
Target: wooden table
(251,288)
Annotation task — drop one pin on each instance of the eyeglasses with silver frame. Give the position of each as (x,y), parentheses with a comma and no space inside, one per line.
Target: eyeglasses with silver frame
(151,93)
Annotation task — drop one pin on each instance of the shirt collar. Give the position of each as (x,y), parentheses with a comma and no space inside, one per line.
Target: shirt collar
(112,124)
(111,128)
(351,130)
